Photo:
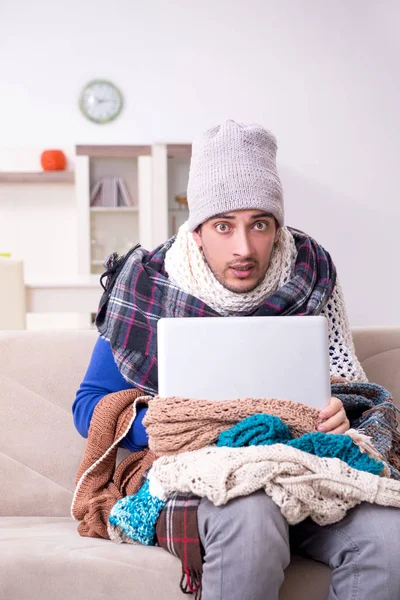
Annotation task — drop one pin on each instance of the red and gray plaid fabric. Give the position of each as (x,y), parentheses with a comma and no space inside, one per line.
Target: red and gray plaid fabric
(177,532)
(138,293)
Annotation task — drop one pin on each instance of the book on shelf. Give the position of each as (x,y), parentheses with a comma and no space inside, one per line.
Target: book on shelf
(111,192)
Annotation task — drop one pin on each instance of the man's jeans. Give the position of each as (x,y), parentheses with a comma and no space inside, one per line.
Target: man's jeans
(247,546)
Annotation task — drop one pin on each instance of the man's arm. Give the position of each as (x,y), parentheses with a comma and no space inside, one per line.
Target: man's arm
(103,377)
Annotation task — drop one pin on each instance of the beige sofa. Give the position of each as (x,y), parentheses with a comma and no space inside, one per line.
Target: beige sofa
(41,555)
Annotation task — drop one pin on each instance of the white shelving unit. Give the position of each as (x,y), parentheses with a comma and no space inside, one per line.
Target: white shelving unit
(171,164)
(117,209)
(37,177)
(58,204)
(103,230)
(154,176)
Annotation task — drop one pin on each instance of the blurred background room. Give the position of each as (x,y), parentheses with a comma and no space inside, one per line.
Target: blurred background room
(99,103)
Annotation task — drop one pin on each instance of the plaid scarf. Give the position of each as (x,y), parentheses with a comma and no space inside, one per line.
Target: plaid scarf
(137,293)
(177,532)
(371,410)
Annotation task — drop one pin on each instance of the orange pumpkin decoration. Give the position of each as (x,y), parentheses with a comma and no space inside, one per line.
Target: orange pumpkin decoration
(53,160)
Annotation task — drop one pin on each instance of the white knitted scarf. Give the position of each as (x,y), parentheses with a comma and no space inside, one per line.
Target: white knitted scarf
(188,269)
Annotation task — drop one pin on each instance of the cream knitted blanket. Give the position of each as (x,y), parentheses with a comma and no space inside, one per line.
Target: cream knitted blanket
(301,484)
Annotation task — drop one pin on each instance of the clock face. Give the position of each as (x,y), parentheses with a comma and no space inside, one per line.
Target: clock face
(100,101)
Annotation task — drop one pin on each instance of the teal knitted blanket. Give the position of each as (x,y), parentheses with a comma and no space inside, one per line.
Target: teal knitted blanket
(136,516)
(264,430)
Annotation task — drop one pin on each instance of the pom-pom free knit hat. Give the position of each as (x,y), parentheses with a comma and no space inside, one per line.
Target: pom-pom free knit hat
(233,167)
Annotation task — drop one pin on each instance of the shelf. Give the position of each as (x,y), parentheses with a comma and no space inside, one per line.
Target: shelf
(179,150)
(113,209)
(113,151)
(37,177)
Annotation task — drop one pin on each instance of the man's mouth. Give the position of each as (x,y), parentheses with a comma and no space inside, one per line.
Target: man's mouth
(242,271)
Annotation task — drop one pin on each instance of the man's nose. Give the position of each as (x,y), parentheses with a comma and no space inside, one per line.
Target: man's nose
(242,245)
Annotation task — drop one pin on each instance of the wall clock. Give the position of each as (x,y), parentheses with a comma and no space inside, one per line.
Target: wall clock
(100,101)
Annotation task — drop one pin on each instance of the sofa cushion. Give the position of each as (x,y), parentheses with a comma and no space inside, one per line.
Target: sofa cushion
(45,554)
(40,449)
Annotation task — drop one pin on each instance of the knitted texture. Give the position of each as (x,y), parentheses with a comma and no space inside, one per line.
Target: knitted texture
(365,444)
(301,484)
(263,430)
(136,517)
(100,482)
(188,269)
(180,424)
(342,355)
(338,446)
(256,430)
(233,167)
(372,411)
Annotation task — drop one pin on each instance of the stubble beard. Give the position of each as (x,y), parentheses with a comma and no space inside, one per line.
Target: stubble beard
(219,276)
(232,288)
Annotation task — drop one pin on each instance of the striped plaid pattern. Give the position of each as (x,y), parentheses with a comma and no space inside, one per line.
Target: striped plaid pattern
(138,293)
(371,410)
(177,532)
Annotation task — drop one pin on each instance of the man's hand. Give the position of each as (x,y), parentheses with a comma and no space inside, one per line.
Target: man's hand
(333,418)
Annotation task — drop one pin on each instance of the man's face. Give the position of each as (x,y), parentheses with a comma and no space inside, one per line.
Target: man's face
(237,246)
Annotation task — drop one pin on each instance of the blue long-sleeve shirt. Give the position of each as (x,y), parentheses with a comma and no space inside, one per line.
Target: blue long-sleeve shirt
(103,377)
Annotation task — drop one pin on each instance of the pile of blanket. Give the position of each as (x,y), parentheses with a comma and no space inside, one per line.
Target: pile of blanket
(221,450)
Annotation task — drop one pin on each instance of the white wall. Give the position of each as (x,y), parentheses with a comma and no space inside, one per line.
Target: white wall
(322,75)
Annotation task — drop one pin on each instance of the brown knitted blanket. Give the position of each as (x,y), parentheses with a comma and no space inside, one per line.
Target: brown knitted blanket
(100,483)
(177,425)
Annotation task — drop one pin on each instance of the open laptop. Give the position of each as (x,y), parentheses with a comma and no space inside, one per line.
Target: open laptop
(226,358)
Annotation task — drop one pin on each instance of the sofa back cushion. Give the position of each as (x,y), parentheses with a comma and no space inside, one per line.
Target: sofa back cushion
(40,449)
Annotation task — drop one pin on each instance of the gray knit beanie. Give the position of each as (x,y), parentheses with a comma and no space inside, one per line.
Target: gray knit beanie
(233,167)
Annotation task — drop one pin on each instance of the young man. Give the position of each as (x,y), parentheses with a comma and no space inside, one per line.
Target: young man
(235,256)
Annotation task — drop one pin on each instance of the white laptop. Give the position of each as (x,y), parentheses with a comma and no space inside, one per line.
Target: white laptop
(225,358)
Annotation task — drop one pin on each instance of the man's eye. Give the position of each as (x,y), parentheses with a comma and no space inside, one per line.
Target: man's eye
(222,227)
(261,225)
